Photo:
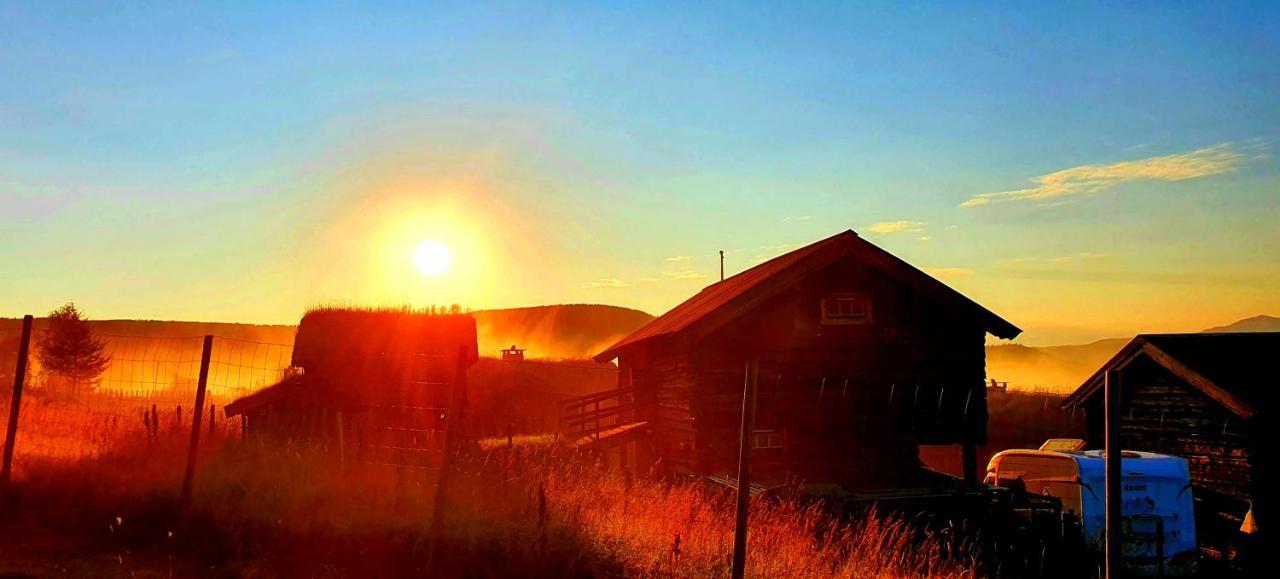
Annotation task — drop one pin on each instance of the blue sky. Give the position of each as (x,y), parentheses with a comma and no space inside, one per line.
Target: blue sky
(245,161)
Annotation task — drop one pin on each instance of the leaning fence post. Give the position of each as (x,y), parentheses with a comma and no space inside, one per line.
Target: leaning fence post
(15,406)
(189,479)
(744,468)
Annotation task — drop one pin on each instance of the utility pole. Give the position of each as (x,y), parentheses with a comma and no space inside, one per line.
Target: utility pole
(1113,456)
(749,389)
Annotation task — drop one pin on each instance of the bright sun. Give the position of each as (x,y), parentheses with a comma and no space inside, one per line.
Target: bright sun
(432,258)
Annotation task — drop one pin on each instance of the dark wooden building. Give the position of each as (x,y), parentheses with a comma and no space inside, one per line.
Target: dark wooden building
(391,366)
(862,358)
(1206,398)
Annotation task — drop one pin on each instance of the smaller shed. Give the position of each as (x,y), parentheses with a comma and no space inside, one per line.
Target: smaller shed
(1207,398)
(358,360)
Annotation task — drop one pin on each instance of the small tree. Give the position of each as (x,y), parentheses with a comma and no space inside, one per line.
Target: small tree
(70,351)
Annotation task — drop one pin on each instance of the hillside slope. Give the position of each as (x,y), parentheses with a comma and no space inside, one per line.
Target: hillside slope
(1254,324)
(1063,368)
(571,331)
(568,331)
(1053,368)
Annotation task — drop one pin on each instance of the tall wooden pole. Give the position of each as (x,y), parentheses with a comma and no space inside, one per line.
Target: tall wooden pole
(453,431)
(969,455)
(1114,561)
(15,405)
(188,480)
(750,381)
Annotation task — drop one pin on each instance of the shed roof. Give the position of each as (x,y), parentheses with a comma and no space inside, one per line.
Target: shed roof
(338,339)
(735,295)
(1231,368)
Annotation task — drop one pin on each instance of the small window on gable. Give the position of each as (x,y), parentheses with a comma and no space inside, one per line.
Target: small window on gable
(849,308)
(764,439)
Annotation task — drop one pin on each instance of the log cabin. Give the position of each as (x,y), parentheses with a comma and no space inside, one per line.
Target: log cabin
(1206,398)
(862,358)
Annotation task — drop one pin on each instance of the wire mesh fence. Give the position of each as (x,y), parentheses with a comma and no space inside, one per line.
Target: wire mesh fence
(144,394)
(237,368)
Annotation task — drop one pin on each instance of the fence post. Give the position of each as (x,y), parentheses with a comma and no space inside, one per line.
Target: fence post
(189,479)
(1111,395)
(342,443)
(15,406)
(452,430)
(750,380)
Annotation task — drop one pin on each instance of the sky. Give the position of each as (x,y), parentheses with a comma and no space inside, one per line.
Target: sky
(1085,170)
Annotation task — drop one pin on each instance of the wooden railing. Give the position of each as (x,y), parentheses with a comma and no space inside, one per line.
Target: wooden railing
(597,412)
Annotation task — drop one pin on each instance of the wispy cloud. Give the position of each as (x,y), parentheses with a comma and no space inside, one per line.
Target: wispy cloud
(679,259)
(795,218)
(904,226)
(686,274)
(1084,179)
(1058,260)
(608,283)
(948,272)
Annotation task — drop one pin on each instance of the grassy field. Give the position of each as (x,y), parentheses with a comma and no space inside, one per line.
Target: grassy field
(275,509)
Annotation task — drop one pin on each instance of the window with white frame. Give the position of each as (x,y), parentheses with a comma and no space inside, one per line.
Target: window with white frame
(847,308)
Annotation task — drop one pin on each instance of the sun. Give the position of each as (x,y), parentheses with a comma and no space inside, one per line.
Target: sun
(432,258)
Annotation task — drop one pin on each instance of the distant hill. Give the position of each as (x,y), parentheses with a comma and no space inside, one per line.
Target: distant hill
(1063,368)
(1055,368)
(571,331)
(272,333)
(1254,324)
(579,331)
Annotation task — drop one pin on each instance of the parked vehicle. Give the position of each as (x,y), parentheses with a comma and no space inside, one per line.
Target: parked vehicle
(1159,521)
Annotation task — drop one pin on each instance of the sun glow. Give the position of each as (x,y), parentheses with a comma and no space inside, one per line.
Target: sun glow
(432,258)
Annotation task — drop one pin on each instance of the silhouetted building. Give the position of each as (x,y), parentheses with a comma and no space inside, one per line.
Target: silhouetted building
(1206,398)
(862,358)
(394,367)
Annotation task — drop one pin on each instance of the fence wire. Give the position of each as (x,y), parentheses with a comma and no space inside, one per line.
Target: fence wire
(144,395)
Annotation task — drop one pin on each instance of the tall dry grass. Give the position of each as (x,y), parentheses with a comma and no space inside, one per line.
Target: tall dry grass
(279,509)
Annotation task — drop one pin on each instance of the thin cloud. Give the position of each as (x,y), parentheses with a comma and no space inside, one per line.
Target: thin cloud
(608,283)
(1071,259)
(686,274)
(904,226)
(679,259)
(948,272)
(1084,179)
(796,218)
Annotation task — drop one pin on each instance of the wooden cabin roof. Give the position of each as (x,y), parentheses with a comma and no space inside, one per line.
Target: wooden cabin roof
(723,301)
(1234,369)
